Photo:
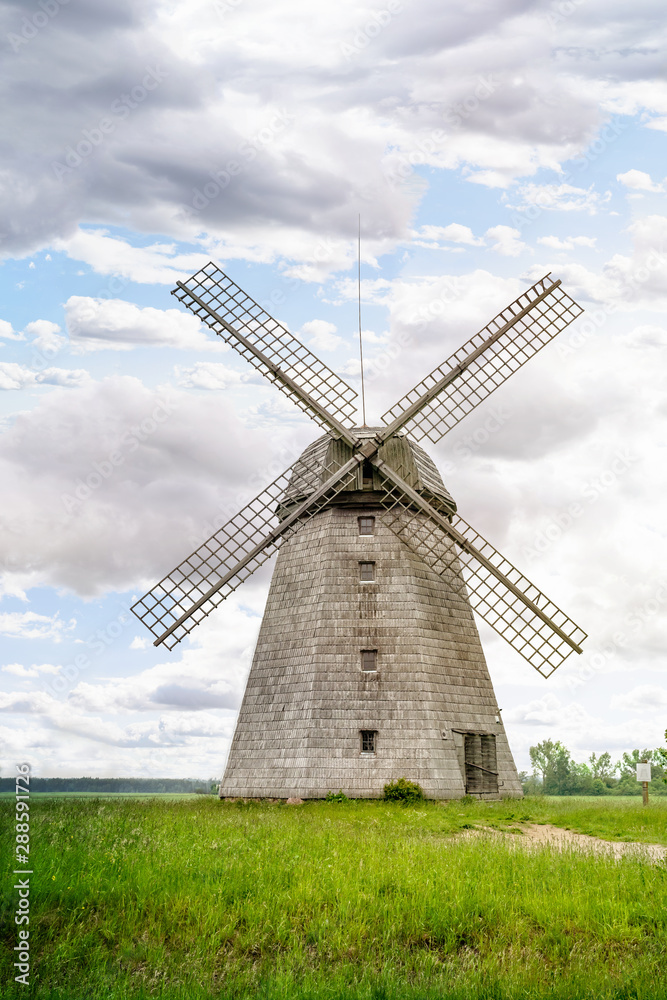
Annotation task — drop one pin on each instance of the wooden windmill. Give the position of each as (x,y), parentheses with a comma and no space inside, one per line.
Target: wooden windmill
(368,665)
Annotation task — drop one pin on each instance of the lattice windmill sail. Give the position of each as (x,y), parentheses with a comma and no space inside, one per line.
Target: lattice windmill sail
(368,665)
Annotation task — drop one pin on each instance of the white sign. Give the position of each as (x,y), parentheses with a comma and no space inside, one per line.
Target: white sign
(643,772)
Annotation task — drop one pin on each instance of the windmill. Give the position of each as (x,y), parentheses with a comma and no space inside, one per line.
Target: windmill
(368,666)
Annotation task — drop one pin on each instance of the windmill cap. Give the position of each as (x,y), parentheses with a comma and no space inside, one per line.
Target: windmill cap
(326,454)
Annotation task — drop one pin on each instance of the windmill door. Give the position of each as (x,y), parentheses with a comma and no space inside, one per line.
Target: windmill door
(480,763)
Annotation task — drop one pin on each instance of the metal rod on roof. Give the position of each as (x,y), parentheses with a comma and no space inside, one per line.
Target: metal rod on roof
(361,349)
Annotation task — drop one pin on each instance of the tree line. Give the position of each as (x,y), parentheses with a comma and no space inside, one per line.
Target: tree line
(555,772)
(153,786)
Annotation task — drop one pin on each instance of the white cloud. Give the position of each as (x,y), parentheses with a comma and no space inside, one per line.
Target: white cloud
(568,243)
(30,625)
(630,280)
(373,290)
(15,376)
(506,240)
(74,518)
(156,264)
(65,718)
(647,336)
(580,730)
(7,331)
(643,698)
(321,334)
(45,334)
(637,180)
(499,98)
(116,325)
(138,643)
(561,198)
(209,375)
(19,670)
(453,233)
(549,711)
(208,674)
(371,337)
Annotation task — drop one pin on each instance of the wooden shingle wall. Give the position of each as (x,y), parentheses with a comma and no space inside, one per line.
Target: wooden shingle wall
(307,699)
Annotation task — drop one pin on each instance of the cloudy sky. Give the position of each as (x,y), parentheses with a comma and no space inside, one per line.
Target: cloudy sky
(483,144)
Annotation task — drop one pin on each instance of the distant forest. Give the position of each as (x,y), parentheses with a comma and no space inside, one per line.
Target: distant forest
(155,786)
(556,773)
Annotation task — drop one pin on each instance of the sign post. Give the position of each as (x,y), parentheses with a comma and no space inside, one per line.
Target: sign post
(644,775)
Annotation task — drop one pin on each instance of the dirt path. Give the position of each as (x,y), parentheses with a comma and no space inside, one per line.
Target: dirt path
(544,834)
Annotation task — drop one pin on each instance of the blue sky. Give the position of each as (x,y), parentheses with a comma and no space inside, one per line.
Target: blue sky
(482,147)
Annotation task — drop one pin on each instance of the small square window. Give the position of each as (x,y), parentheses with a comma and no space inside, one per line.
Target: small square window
(368,740)
(369,659)
(367,572)
(366,525)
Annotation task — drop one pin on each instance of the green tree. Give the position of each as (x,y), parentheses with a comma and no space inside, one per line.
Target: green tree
(565,777)
(662,754)
(542,757)
(602,767)
(530,783)
(627,765)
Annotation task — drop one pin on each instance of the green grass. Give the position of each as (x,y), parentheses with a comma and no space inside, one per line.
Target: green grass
(192,898)
(615,819)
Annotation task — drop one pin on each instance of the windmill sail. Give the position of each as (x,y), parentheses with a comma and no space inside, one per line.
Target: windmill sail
(187,595)
(513,606)
(269,346)
(482,364)
(497,590)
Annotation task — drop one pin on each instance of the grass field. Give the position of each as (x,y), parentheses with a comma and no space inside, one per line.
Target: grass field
(192,898)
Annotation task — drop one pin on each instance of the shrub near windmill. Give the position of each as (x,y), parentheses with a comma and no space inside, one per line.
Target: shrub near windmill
(368,665)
